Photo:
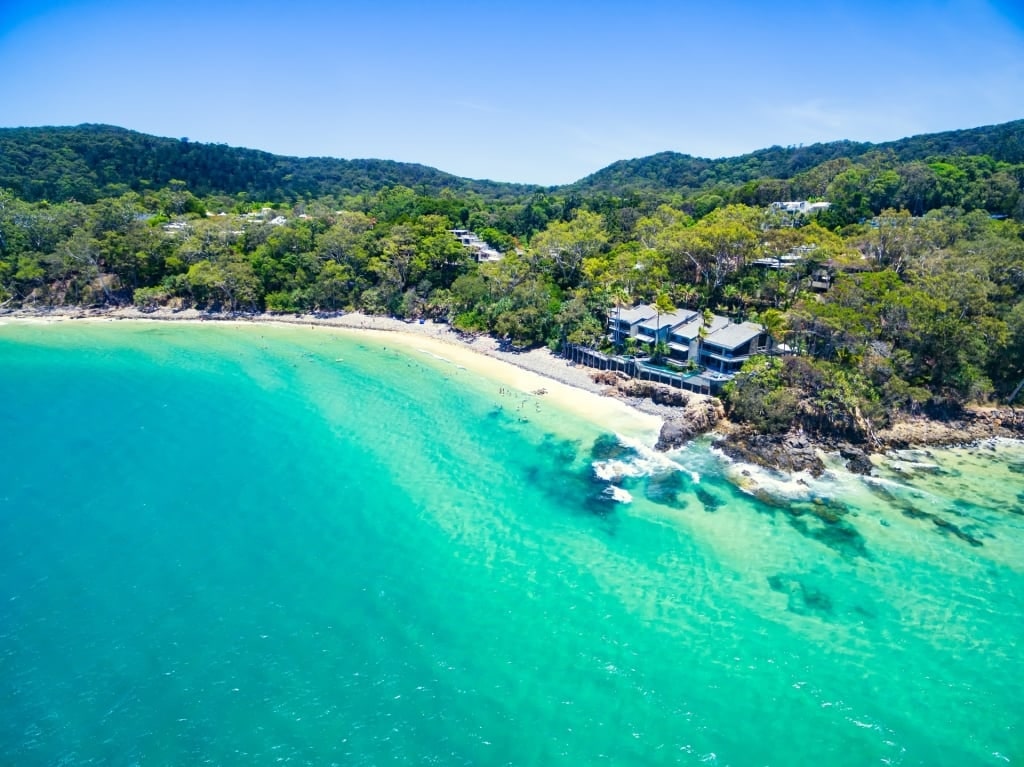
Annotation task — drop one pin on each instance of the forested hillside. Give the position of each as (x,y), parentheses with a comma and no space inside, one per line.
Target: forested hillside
(905,294)
(675,172)
(87,162)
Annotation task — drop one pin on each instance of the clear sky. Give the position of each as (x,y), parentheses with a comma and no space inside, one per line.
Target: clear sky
(539,92)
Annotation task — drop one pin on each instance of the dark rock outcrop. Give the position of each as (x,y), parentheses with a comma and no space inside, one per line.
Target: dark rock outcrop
(856,459)
(655,392)
(699,416)
(967,426)
(788,452)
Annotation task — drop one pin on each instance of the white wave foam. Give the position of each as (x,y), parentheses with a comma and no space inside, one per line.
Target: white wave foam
(618,494)
(615,470)
(644,462)
(752,479)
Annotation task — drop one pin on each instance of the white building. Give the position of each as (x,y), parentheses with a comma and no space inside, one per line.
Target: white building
(802,207)
(481,250)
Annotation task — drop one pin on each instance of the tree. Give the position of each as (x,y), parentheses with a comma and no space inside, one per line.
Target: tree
(439,258)
(714,248)
(527,316)
(774,323)
(707,318)
(203,281)
(577,323)
(662,305)
(561,248)
(332,287)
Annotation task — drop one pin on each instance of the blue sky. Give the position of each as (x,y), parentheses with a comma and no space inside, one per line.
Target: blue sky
(535,92)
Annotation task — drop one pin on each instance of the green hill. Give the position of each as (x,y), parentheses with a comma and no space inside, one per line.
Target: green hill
(672,171)
(86,162)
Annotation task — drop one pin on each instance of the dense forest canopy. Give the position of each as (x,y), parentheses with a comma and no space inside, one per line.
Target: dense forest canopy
(683,173)
(905,293)
(87,162)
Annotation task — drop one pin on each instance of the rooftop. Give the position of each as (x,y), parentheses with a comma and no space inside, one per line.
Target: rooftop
(635,314)
(678,317)
(734,334)
(692,328)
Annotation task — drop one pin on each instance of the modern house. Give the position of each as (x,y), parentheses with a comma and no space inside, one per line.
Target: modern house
(625,323)
(801,206)
(684,339)
(726,349)
(821,280)
(788,260)
(657,328)
(719,347)
(481,250)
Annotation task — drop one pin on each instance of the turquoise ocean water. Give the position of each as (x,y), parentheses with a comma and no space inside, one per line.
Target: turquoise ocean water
(260,545)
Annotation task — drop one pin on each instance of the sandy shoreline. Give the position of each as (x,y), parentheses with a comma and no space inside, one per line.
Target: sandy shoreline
(568,387)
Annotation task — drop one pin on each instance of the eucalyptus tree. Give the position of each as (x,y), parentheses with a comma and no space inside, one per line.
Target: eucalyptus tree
(562,247)
(713,249)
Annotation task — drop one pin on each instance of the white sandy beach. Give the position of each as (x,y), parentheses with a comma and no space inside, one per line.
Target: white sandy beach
(567,387)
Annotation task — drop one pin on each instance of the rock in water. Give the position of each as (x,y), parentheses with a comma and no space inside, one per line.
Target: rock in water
(856,459)
(699,416)
(789,453)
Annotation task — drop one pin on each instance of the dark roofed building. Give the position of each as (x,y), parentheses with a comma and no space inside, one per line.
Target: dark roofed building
(727,348)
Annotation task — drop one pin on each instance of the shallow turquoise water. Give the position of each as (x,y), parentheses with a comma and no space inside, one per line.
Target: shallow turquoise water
(235,545)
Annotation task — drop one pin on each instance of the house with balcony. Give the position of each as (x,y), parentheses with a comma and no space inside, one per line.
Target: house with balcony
(481,250)
(719,347)
(657,328)
(684,339)
(625,323)
(726,349)
(804,207)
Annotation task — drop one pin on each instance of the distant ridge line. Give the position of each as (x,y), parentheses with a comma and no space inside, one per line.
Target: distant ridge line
(93,160)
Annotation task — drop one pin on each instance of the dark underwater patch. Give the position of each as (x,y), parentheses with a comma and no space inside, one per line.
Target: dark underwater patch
(940,524)
(563,452)
(766,499)
(803,598)
(665,488)
(945,526)
(711,503)
(497,413)
(864,612)
(821,519)
(962,507)
(910,510)
(837,534)
(575,491)
(608,447)
(600,504)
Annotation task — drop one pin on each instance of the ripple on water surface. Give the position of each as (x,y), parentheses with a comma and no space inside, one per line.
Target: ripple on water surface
(253,544)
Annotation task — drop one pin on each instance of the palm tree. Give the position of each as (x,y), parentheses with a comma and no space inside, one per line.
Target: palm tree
(662,305)
(707,317)
(621,297)
(774,322)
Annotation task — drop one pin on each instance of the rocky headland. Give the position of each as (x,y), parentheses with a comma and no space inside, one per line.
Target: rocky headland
(687,415)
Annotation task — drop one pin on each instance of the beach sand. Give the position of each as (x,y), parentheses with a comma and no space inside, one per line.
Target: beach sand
(565,386)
